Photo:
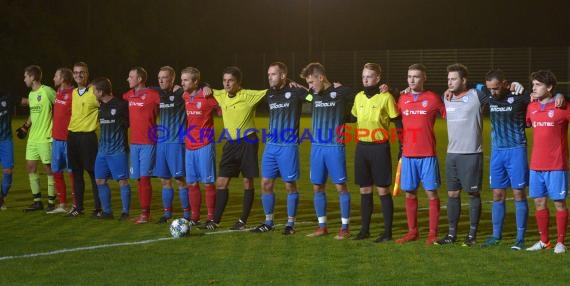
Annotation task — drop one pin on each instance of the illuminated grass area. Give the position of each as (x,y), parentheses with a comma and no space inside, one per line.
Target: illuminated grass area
(229,258)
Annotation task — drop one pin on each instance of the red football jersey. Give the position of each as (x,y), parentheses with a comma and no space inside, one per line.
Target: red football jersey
(419,112)
(61,113)
(143,109)
(550,141)
(199,112)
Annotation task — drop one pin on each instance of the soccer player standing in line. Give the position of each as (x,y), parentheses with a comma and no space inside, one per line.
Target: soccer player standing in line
(6,144)
(82,142)
(200,145)
(240,151)
(143,106)
(170,150)
(372,160)
(112,160)
(509,164)
(331,107)
(63,81)
(464,160)
(281,154)
(419,109)
(41,100)
(549,159)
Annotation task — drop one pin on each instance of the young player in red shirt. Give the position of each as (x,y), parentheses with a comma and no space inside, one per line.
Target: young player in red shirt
(199,140)
(549,159)
(419,109)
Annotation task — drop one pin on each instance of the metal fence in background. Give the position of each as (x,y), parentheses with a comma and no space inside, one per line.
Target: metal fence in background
(346,66)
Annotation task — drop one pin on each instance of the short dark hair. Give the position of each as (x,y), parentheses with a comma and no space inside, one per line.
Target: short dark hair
(545,76)
(66,74)
(34,71)
(282,67)
(141,72)
(235,72)
(459,68)
(495,74)
(313,69)
(418,67)
(103,84)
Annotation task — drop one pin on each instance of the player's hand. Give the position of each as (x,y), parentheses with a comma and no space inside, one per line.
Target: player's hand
(206,91)
(24,101)
(405,91)
(295,84)
(516,88)
(384,88)
(176,87)
(337,84)
(559,100)
(22,132)
(448,94)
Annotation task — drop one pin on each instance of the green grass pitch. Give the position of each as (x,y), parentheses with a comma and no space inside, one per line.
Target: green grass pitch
(85,251)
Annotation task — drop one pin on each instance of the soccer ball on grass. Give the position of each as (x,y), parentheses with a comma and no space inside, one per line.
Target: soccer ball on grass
(179,227)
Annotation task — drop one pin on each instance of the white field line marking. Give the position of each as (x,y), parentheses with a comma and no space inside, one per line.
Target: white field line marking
(84,248)
(65,250)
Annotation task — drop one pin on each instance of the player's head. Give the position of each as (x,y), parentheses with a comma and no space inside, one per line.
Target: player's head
(81,73)
(417,77)
(137,77)
(102,88)
(32,74)
(277,75)
(496,83)
(189,78)
(232,79)
(166,76)
(315,75)
(543,83)
(62,75)
(371,74)
(456,77)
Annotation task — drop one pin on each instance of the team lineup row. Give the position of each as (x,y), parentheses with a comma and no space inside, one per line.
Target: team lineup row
(62,136)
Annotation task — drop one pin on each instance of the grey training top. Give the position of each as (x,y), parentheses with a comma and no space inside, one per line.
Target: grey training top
(464,126)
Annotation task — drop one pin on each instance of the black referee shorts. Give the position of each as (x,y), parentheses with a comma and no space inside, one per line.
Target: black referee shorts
(373,164)
(240,156)
(82,150)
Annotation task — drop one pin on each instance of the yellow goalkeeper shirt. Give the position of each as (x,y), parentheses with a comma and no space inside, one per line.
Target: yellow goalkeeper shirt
(374,114)
(238,112)
(84,111)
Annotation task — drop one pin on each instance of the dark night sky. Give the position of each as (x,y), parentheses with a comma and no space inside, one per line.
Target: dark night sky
(115,35)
